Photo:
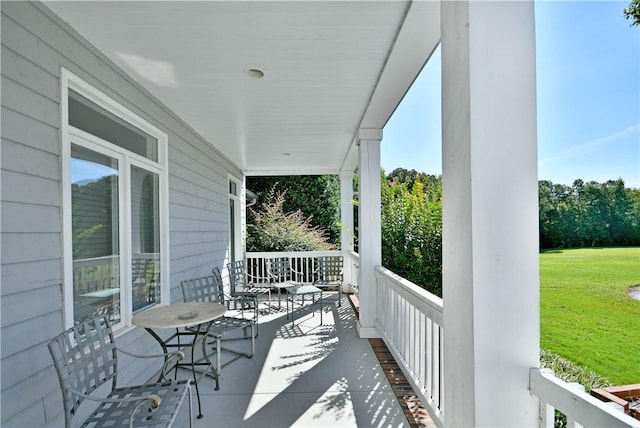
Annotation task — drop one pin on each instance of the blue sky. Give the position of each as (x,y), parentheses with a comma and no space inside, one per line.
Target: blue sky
(588,88)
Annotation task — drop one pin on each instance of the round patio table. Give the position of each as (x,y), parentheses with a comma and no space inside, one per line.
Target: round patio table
(195,318)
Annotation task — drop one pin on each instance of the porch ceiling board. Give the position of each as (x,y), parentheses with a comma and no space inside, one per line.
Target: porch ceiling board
(322,62)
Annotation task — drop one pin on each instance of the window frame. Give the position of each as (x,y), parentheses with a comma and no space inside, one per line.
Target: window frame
(239,208)
(68,81)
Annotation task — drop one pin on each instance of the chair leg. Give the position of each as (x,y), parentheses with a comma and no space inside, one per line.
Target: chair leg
(218,359)
(253,340)
(190,406)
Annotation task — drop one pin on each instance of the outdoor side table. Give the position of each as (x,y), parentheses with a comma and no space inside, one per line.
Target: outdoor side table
(179,316)
(302,291)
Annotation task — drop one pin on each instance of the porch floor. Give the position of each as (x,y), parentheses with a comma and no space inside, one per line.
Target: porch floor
(310,375)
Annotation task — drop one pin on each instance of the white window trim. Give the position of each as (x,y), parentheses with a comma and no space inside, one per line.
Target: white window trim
(68,81)
(240,207)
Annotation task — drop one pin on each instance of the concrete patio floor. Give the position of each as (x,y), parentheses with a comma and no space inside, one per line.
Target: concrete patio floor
(309,375)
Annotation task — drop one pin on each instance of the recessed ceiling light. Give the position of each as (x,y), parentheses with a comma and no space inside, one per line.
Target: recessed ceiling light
(256,73)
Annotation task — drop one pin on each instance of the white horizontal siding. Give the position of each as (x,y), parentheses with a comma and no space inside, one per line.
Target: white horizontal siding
(35,45)
(29,160)
(39,218)
(21,128)
(30,275)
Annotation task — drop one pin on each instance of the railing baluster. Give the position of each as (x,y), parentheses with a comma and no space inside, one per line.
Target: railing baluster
(429,359)
(547,415)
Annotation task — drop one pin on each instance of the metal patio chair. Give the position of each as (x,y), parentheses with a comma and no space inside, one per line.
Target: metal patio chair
(243,291)
(281,275)
(329,273)
(210,289)
(85,358)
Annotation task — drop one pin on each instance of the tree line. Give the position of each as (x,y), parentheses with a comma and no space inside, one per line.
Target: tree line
(588,214)
(583,214)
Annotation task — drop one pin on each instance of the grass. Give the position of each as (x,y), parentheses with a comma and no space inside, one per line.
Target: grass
(586,315)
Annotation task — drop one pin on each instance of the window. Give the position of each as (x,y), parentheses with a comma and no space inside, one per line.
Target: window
(115,211)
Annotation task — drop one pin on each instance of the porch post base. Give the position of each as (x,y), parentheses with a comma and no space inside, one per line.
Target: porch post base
(367,332)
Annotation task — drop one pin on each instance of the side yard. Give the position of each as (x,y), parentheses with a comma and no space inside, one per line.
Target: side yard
(587,315)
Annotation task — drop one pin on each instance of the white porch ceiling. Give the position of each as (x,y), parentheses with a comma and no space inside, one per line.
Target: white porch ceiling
(330,68)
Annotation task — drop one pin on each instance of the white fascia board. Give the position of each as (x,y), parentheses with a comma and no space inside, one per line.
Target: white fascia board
(417,40)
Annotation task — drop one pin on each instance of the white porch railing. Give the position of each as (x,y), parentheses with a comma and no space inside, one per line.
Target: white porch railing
(96,273)
(409,320)
(352,269)
(303,262)
(580,408)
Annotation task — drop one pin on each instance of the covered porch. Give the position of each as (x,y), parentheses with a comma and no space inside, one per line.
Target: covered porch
(290,88)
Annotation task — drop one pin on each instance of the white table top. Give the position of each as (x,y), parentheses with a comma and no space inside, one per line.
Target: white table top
(179,315)
(303,289)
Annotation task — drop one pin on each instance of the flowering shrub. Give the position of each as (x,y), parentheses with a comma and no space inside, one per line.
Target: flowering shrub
(274,230)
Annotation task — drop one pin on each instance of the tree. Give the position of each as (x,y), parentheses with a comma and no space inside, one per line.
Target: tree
(274,230)
(633,12)
(588,214)
(412,228)
(317,197)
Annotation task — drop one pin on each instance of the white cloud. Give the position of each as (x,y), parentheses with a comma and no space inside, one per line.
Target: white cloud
(590,146)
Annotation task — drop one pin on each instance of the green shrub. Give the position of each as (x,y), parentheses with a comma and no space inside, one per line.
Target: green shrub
(274,230)
(412,231)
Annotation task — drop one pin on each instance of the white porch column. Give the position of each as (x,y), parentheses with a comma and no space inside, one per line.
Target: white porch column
(346,217)
(369,233)
(490,213)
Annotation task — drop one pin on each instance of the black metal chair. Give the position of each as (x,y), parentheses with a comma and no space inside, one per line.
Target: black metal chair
(85,358)
(329,273)
(210,289)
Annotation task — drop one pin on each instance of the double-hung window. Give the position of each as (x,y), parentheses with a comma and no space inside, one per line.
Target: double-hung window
(115,207)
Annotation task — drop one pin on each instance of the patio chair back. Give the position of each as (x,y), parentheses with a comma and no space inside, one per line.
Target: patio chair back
(237,276)
(279,269)
(85,358)
(206,289)
(330,273)
(330,269)
(210,289)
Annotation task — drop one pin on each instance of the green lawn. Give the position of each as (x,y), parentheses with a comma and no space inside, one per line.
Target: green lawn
(585,313)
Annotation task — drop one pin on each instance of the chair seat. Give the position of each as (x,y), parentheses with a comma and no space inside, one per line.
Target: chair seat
(252,291)
(225,325)
(172,393)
